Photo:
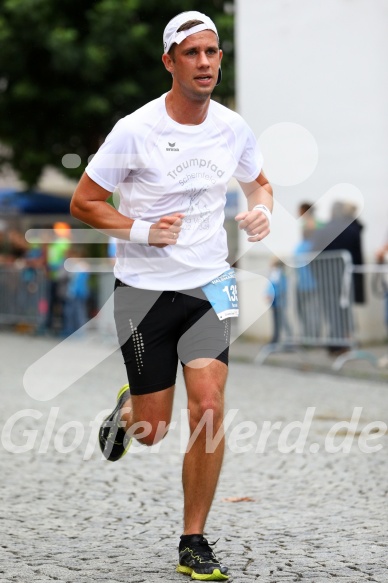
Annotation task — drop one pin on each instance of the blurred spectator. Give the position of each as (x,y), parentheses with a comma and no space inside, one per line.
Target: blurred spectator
(277,294)
(22,286)
(381,257)
(381,253)
(56,253)
(307,299)
(75,293)
(306,212)
(13,244)
(341,233)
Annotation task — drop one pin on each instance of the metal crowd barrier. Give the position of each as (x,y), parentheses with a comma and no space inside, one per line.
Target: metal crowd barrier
(316,305)
(23,295)
(379,285)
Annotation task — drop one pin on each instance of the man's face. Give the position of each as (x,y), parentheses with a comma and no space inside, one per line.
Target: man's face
(194,64)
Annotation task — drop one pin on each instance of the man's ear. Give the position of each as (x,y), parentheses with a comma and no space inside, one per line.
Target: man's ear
(168,62)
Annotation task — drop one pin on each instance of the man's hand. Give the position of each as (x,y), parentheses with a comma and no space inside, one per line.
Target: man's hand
(254,223)
(166,231)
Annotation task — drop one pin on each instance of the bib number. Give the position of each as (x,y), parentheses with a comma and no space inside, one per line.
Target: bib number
(221,292)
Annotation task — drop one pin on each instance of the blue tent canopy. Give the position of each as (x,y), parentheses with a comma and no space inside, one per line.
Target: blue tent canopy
(32,202)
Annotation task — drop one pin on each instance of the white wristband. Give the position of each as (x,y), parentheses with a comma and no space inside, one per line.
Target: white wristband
(265,210)
(139,232)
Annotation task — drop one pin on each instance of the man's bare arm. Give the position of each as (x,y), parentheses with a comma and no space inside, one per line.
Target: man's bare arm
(256,222)
(89,205)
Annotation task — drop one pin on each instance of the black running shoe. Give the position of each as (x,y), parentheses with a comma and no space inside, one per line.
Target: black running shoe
(197,559)
(114,442)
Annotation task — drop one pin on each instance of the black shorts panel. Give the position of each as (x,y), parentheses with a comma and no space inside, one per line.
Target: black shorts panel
(156,329)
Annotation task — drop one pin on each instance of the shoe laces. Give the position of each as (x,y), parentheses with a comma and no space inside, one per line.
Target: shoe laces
(203,548)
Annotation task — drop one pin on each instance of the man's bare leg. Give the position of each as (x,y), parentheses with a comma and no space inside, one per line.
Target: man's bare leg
(201,468)
(148,413)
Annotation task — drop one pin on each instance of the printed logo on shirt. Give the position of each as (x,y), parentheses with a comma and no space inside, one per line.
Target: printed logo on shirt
(171,147)
(200,163)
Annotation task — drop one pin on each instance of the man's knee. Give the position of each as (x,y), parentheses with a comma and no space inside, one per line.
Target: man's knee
(208,410)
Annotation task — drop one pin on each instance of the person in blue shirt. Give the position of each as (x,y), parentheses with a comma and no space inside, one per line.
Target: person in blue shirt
(277,293)
(307,299)
(76,295)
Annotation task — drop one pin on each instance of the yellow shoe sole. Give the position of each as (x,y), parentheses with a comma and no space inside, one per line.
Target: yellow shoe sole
(215,576)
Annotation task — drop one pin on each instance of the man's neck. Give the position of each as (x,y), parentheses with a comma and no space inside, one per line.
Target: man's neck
(186,111)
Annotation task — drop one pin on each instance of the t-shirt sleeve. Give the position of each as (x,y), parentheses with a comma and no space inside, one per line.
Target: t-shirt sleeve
(114,160)
(251,159)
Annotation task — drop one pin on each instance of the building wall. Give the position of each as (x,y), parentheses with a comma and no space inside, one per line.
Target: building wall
(312,82)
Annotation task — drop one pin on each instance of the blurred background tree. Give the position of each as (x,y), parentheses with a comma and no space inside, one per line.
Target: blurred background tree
(70,69)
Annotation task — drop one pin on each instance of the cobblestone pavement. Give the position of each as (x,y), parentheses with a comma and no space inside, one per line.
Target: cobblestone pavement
(316,515)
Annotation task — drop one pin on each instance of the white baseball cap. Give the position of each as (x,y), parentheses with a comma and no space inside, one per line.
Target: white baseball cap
(171,34)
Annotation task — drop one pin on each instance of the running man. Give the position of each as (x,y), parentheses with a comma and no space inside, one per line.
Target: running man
(171,161)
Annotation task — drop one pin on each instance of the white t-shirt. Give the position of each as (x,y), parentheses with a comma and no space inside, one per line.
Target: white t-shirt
(161,167)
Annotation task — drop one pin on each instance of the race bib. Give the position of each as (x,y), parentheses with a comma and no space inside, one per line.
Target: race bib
(222,294)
